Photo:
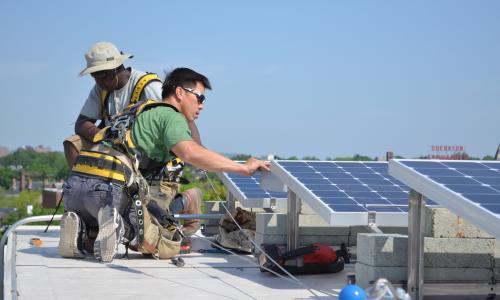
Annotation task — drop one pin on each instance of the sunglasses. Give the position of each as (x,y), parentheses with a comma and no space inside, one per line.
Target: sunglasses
(201,98)
(103,74)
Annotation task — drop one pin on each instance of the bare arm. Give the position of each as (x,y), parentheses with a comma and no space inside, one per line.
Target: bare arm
(195,134)
(206,159)
(85,127)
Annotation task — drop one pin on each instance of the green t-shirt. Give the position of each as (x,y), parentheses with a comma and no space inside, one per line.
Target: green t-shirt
(158,129)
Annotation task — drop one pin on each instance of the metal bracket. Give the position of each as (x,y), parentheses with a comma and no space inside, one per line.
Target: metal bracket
(372,222)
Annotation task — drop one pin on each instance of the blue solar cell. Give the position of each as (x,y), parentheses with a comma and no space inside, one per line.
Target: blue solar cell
(368,176)
(358,170)
(257,195)
(495,208)
(392,195)
(350,164)
(353,187)
(314,181)
(483,198)
(422,164)
(488,180)
(465,165)
(321,164)
(338,200)
(373,201)
(333,169)
(329,194)
(322,187)
(386,188)
(298,169)
(307,175)
(491,165)
(330,175)
(375,181)
(346,181)
(363,194)
(292,163)
(481,173)
(438,172)
(453,180)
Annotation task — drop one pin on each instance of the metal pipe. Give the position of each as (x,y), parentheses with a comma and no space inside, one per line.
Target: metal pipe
(416,223)
(199,216)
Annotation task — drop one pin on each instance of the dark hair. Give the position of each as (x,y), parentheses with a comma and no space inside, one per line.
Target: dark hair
(183,77)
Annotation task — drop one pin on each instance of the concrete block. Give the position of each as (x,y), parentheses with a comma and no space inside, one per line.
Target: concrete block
(446,224)
(366,274)
(391,250)
(382,249)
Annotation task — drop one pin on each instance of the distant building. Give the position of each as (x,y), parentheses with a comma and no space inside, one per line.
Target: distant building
(4,151)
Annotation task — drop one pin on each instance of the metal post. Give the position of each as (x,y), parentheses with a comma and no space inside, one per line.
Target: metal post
(230,202)
(293,221)
(416,223)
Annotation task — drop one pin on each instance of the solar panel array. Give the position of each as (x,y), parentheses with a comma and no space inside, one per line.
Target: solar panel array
(344,192)
(470,189)
(248,191)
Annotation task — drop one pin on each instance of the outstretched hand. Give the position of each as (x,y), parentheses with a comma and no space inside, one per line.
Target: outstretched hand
(253,164)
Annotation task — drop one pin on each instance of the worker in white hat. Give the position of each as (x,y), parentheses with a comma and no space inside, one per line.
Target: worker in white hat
(116,87)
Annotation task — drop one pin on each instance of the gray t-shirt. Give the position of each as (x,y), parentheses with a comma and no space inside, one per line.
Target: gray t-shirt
(119,99)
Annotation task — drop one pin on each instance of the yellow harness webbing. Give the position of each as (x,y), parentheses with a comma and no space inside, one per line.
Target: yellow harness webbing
(102,165)
(136,92)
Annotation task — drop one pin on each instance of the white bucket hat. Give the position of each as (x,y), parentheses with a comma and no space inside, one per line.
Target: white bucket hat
(103,56)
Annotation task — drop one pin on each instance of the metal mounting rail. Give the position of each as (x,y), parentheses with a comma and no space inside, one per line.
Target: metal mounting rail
(3,241)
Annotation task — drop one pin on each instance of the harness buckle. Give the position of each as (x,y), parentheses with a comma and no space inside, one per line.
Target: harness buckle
(120,123)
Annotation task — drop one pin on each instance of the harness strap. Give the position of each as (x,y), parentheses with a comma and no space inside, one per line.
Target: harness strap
(104,104)
(141,84)
(143,81)
(102,165)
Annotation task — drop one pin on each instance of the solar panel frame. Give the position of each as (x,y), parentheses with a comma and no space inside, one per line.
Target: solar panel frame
(302,185)
(260,199)
(458,203)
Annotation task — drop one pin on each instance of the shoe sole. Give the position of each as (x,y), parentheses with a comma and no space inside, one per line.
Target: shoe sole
(68,240)
(105,244)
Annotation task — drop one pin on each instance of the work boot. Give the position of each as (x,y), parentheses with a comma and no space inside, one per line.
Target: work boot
(110,234)
(71,235)
(192,205)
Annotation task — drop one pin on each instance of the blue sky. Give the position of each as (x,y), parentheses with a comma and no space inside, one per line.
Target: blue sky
(322,78)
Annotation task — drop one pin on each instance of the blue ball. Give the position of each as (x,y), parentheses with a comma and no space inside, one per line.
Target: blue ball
(352,292)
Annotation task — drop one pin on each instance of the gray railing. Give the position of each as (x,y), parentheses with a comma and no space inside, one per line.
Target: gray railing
(12,293)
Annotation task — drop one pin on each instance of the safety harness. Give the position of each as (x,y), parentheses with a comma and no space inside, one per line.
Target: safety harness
(136,94)
(119,136)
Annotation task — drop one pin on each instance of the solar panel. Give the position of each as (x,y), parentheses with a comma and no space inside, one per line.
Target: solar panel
(248,191)
(343,193)
(470,189)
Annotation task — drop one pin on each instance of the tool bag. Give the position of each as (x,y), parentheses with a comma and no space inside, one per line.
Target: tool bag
(312,259)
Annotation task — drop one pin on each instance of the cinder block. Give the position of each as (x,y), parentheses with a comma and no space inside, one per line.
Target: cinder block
(382,249)
(366,275)
(391,250)
(446,224)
